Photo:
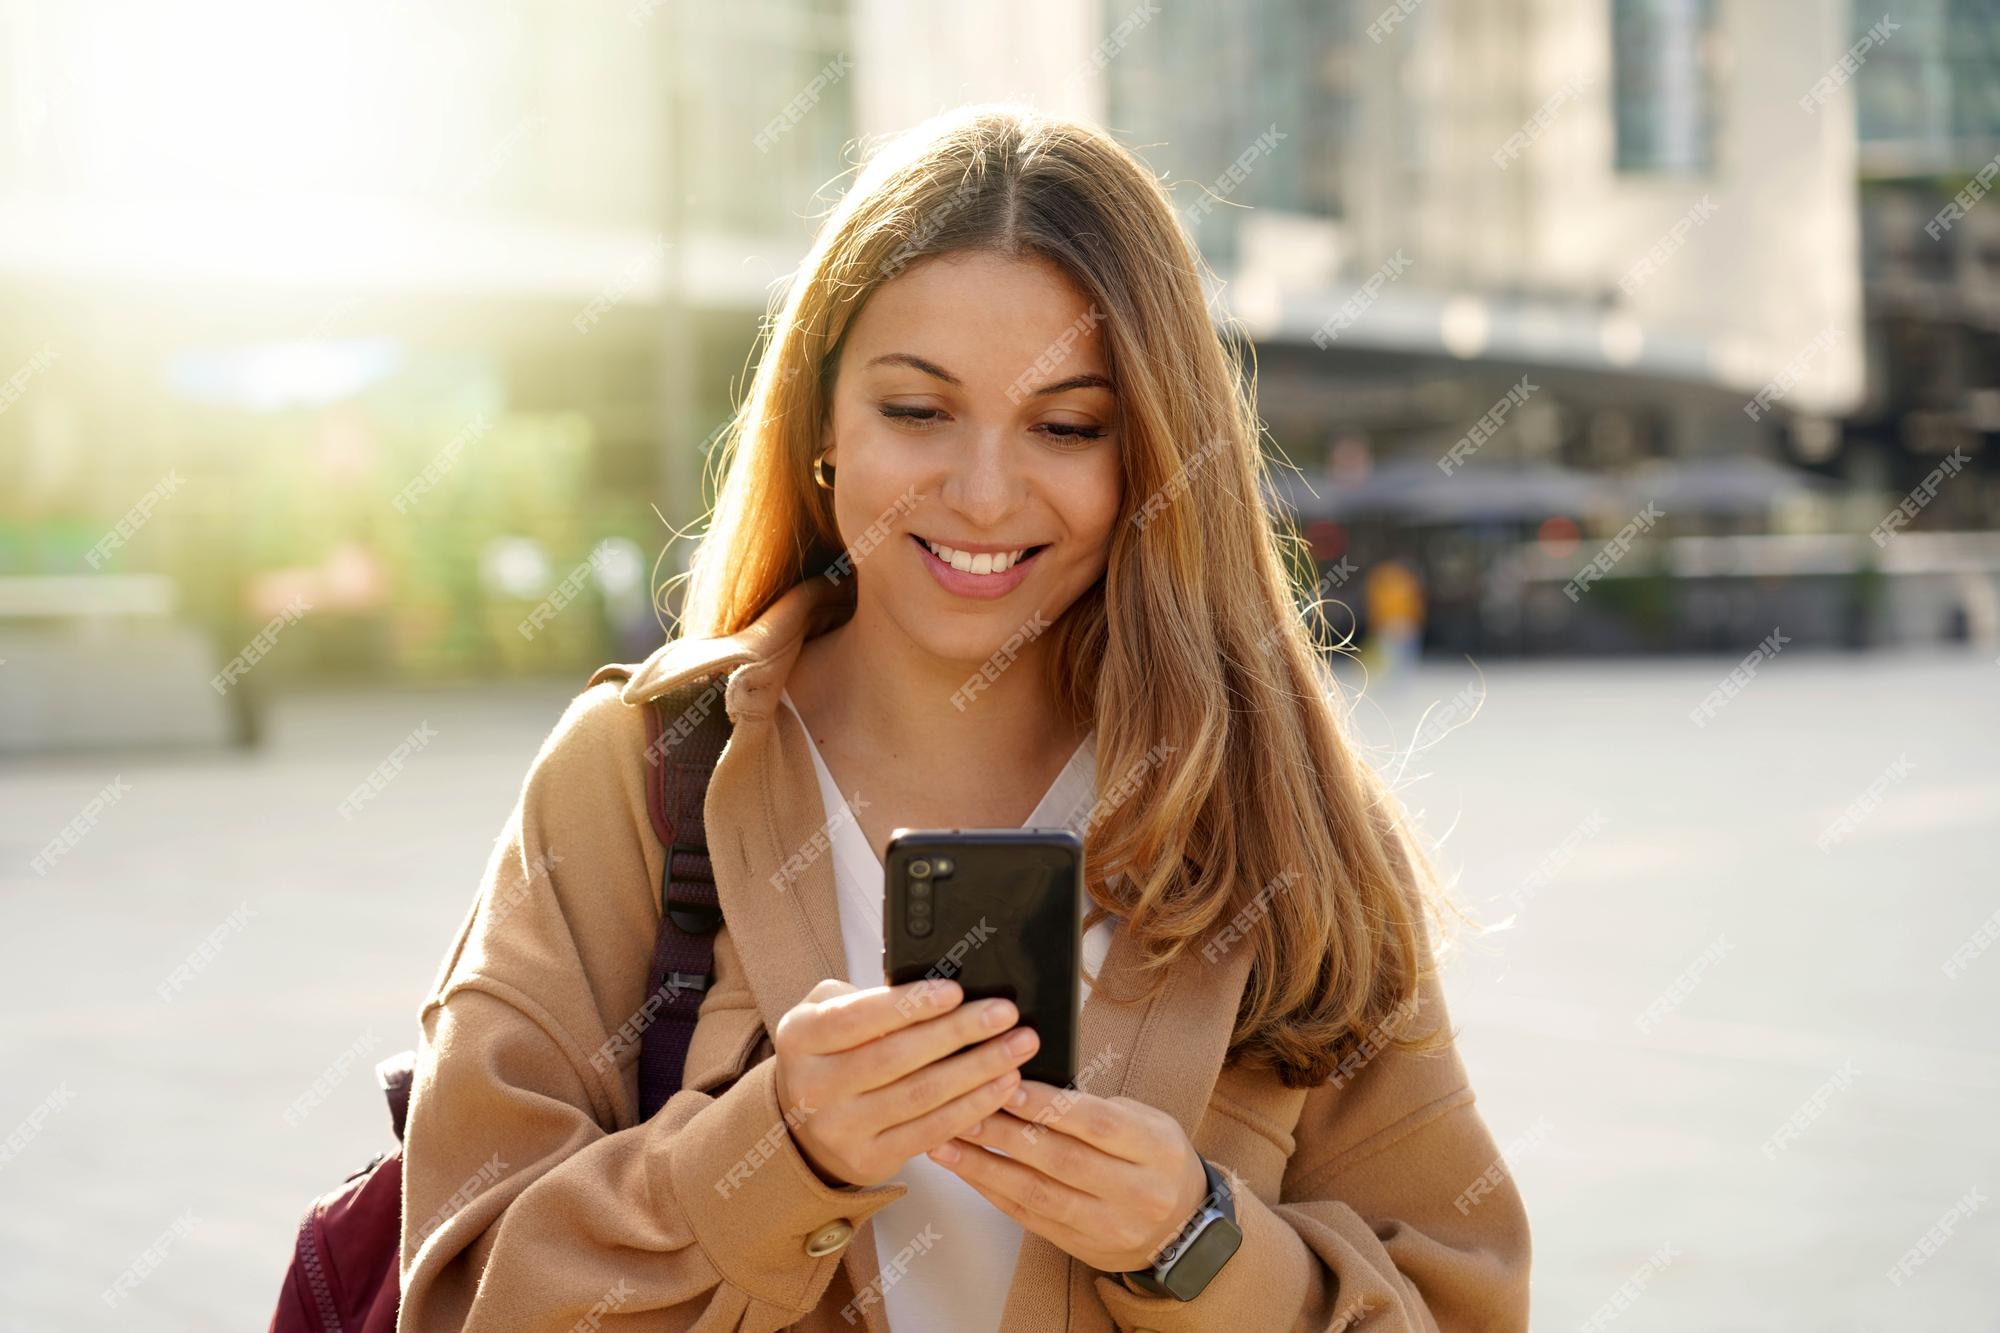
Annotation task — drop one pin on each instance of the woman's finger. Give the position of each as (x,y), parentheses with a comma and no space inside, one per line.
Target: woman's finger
(1058,1156)
(855,1017)
(922,1044)
(1110,1126)
(1033,1194)
(925,1132)
(1089,1249)
(917,1094)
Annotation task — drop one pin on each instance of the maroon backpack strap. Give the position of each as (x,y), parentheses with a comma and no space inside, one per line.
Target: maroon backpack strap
(687,729)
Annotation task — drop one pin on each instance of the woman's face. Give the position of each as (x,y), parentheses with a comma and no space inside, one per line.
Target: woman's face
(973,410)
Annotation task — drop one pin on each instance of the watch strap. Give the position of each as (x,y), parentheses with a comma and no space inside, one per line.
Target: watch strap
(1220,1199)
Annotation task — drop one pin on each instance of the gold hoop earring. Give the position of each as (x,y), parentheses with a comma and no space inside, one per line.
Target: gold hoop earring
(821,473)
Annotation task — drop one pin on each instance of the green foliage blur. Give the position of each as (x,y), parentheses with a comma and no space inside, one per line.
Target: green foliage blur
(422,521)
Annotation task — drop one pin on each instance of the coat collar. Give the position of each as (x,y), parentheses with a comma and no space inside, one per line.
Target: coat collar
(764,810)
(763,650)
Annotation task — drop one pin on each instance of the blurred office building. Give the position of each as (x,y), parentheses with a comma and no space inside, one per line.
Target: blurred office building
(1565,303)
(419,316)
(1929,123)
(1556,300)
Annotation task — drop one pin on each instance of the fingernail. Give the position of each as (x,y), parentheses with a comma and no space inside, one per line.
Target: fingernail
(1020,1097)
(946,1153)
(999,1014)
(1021,1042)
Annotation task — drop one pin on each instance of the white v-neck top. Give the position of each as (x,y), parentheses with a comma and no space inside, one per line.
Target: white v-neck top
(958,1250)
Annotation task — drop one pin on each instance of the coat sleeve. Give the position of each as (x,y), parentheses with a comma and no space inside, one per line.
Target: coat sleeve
(1396,1214)
(533,1198)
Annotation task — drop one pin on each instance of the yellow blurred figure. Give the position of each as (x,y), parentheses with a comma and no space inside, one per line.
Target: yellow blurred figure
(1395,598)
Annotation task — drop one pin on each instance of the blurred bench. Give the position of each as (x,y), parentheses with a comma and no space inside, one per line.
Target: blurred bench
(90,661)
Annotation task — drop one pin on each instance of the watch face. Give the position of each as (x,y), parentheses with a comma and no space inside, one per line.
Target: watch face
(1203,1258)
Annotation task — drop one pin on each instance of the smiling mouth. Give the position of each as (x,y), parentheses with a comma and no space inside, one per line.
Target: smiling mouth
(984,563)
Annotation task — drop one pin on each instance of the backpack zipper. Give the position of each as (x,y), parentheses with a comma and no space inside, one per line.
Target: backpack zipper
(322,1290)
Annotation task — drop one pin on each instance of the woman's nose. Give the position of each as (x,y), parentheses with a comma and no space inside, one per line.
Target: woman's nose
(983,484)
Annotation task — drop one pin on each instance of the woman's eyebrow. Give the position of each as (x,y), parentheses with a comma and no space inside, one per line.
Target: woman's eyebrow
(1074,382)
(1085,381)
(918,363)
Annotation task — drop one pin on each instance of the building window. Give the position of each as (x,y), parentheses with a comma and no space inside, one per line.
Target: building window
(1200,88)
(1932,91)
(764,105)
(1663,84)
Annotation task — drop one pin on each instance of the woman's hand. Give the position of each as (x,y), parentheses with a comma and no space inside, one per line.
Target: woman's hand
(1108,1179)
(867,1079)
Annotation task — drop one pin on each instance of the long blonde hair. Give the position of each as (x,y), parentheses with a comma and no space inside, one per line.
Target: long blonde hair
(1242,801)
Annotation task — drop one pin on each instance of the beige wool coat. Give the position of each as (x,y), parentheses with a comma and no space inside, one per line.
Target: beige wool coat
(535,1199)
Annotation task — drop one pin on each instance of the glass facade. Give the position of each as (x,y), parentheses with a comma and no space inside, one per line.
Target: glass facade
(1663,56)
(756,151)
(1198,88)
(1934,85)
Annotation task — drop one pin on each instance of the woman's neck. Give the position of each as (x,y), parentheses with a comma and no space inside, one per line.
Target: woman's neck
(879,697)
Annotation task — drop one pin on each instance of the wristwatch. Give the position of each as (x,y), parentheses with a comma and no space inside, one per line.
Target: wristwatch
(1198,1250)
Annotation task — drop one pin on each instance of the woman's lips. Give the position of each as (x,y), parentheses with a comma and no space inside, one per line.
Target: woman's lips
(981,586)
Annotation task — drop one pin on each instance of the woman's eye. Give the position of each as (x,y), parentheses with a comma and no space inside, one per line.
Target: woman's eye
(1064,430)
(919,416)
(925,418)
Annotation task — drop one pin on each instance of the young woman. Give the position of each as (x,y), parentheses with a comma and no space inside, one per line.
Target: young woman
(994,388)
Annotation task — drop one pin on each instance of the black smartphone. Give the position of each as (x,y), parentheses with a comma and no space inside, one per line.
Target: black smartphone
(998,911)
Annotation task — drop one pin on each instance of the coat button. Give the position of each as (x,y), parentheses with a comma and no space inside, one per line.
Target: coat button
(829,1238)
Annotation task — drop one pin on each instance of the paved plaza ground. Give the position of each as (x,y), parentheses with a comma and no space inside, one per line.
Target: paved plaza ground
(1738,1071)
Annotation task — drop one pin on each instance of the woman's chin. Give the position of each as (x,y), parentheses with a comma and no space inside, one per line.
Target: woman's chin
(972,638)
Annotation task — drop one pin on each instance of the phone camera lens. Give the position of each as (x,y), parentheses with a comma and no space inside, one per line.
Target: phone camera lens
(920,890)
(920,869)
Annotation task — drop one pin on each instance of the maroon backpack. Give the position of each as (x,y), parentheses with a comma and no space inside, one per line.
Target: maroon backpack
(346,1274)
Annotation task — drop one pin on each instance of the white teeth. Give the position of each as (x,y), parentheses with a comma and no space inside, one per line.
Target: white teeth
(983,563)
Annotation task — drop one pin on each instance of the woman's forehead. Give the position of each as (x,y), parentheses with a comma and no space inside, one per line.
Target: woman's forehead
(983,315)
